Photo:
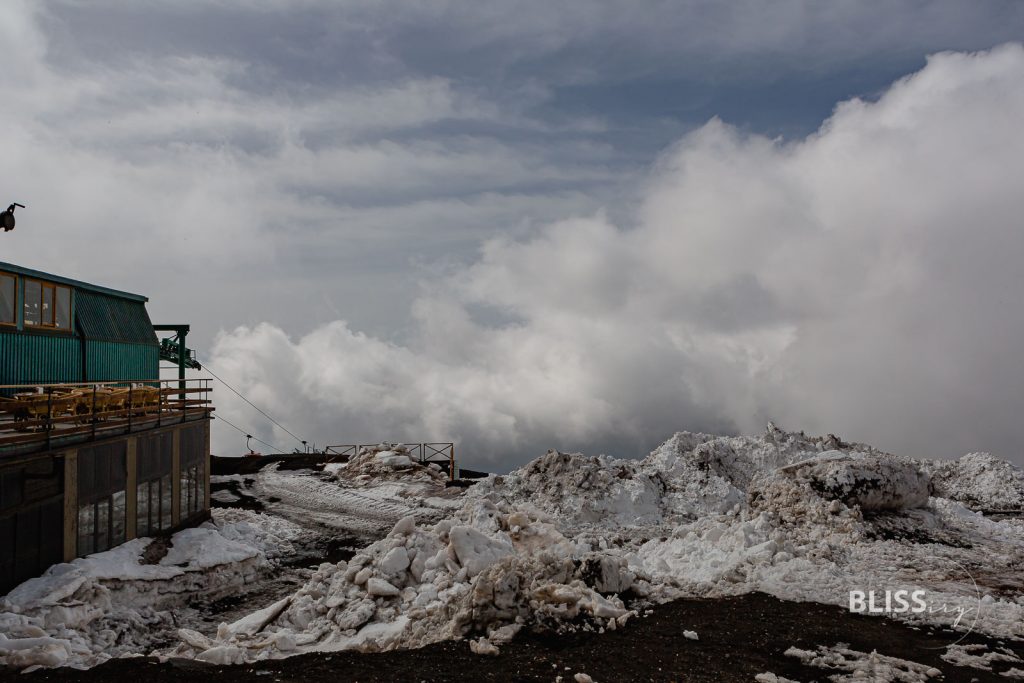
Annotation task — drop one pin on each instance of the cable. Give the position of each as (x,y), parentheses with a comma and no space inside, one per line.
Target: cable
(242,431)
(207,368)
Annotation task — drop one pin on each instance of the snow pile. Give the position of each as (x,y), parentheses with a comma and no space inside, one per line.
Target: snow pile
(835,482)
(978,656)
(558,544)
(490,570)
(271,535)
(386,461)
(854,665)
(364,497)
(689,476)
(101,606)
(979,481)
(552,545)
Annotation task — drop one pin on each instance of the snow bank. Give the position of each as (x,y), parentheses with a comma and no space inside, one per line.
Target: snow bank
(979,481)
(689,476)
(489,570)
(111,603)
(387,461)
(854,665)
(557,544)
(817,487)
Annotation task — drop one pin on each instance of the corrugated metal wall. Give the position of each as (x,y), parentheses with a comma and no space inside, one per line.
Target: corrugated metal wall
(106,361)
(40,358)
(112,339)
(106,318)
(51,359)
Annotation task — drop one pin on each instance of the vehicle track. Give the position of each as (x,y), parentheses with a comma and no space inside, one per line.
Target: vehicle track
(310,500)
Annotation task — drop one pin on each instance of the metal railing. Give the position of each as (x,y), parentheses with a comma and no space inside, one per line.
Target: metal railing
(426,452)
(43,415)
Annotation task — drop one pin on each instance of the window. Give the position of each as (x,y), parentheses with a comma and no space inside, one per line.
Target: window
(153,506)
(101,524)
(47,305)
(8,291)
(193,490)
(102,475)
(33,293)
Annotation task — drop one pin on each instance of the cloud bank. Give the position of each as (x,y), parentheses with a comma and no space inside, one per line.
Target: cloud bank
(863,280)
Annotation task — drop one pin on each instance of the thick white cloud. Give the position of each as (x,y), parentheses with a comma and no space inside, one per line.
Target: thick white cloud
(863,281)
(294,163)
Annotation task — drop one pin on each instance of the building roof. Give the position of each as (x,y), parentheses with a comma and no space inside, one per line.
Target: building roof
(77,284)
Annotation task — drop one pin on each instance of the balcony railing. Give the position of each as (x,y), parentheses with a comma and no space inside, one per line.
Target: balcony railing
(39,417)
(424,453)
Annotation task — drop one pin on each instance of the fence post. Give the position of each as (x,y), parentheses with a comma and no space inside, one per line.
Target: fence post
(48,426)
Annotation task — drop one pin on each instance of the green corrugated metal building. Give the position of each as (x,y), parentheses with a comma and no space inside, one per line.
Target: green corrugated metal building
(54,329)
(74,483)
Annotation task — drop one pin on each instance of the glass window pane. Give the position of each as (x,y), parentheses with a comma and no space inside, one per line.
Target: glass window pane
(32,297)
(63,312)
(200,488)
(142,509)
(165,502)
(183,493)
(85,529)
(117,519)
(47,309)
(102,522)
(7,291)
(193,490)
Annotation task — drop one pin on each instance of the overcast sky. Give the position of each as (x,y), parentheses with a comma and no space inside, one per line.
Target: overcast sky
(523,225)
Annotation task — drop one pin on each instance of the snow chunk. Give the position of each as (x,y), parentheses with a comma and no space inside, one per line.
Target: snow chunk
(482,646)
(380,587)
(476,551)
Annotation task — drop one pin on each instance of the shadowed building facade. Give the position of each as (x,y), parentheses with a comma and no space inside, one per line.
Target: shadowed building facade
(95,449)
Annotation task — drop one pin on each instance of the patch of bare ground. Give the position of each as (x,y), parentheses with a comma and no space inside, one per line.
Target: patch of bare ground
(738,638)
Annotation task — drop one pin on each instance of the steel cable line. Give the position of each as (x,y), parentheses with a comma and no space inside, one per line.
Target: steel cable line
(242,431)
(206,367)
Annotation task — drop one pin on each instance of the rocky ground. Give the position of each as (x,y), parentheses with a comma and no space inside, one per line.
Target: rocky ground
(738,638)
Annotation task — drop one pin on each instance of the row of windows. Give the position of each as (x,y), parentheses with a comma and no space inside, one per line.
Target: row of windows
(101,523)
(46,304)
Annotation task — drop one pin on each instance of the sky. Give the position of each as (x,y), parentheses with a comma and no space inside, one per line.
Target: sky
(530,225)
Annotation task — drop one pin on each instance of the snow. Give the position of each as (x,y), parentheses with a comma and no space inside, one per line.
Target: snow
(363,497)
(552,547)
(979,481)
(977,656)
(113,603)
(856,665)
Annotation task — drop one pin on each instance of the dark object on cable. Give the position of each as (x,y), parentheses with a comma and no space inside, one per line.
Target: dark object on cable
(7,217)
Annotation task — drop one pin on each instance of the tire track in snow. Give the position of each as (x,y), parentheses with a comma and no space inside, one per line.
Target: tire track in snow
(309,500)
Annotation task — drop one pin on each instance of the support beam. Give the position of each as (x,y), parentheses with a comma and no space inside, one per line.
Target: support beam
(70,505)
(176,478)
(206,471)
(131,493)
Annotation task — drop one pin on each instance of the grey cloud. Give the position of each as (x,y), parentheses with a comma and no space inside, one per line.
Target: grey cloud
(883,249)
(486,167)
